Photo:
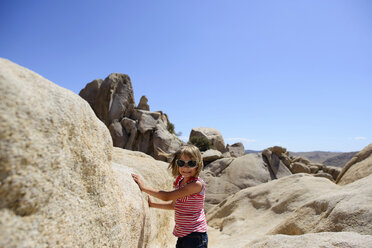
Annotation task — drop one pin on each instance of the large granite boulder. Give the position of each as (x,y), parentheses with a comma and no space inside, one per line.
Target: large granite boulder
(314,240)
(211,134)
(217,166)
(141,219)
(273,156)
(131,128)
(211,155)
(294,205)
(90,92)
(358,167)
(346,209)
(143,104)
(114,99)
(227,176)
(236,150)
(58,187)
(281,164)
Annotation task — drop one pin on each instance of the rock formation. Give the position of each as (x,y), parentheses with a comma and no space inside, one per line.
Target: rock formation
(358,167)
(58,187)
(131,128)
(227,176)
(236,150)
(211,155)
(143,221)
(324,239)
(296,205)
(143,104)
(281,164)
(211,134)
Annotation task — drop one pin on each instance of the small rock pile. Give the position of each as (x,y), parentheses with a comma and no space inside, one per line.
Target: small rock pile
(219,149)
(278,157)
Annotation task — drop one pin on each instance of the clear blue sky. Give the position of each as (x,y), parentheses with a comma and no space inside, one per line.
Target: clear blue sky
(291,73)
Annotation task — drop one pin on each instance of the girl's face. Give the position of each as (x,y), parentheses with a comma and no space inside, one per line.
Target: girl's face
(185,170)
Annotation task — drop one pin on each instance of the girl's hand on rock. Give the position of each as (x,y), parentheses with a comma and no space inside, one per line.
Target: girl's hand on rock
(138,180)
(149,201)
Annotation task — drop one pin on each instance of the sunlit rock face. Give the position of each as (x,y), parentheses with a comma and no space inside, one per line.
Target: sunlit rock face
(358,167)
(131,127)
(57,185)
(62,184)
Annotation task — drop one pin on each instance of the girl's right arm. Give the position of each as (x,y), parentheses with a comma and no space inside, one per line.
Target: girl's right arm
(189,189)
(167,206)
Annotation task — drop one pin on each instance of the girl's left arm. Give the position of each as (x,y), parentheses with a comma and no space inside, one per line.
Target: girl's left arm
(191,188)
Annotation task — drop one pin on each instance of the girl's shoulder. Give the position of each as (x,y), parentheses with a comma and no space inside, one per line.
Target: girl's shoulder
(196,179)
(199,181)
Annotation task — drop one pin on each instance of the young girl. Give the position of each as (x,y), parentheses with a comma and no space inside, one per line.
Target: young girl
(187,198)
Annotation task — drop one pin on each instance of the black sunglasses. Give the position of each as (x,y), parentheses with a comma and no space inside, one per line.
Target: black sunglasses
(189,163)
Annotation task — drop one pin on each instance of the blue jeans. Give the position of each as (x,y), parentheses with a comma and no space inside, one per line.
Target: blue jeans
(193,240)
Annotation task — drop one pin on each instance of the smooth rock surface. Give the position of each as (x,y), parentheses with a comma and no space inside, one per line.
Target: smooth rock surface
(295,205)
(58,187)
(144,221)
(358,167)
(314,240)
(57,184)
(211,134)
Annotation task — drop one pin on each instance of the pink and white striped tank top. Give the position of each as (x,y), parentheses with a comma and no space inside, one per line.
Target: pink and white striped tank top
(189,211)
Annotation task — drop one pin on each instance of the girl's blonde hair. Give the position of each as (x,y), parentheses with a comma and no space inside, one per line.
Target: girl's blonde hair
(190,151)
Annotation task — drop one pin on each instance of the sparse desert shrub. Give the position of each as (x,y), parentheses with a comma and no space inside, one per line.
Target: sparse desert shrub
(201,142)
(170,127)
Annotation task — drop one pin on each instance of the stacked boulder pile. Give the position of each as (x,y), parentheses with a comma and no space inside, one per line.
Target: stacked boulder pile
(278,159)
(131,127)
(218,149)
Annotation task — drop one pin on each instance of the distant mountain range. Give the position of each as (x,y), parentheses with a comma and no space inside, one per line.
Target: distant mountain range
(338,159)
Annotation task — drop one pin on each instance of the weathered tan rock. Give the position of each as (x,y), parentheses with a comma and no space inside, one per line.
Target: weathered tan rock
(143,104)
(165,140)
(240,173)
(57,183)
(236,150)
(252,212)
(278,150)
(211,155)
(346,209)
(247,171)
(298,167)
(113,103)
(147,120)
(57,187)
(301,160)
(313,169)
(216,167)
(130,127)
(90,92)
(115,98)
(314,240)
(286,160)
(295,205)
(333,171)
(217,189)
(358,167)
(144,222)
(324,174)
(276,167)
(118,134)
(211,134)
